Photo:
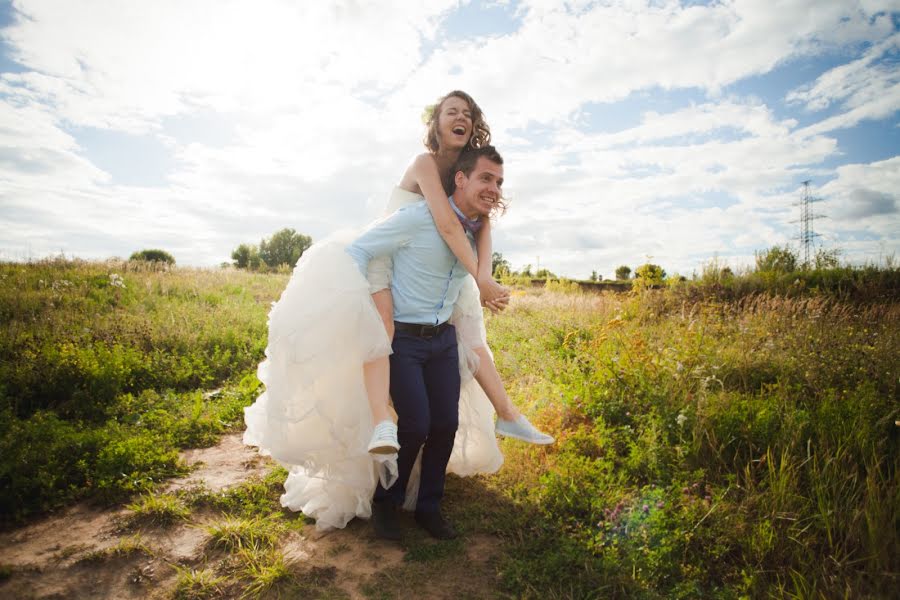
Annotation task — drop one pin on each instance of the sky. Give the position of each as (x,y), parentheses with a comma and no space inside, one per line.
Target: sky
(633,131)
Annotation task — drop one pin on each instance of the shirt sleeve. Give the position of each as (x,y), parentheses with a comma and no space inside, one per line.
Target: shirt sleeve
(384,237)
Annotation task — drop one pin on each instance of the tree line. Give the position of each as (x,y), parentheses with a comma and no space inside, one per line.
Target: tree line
(283,249)
(501,268)
(773,260)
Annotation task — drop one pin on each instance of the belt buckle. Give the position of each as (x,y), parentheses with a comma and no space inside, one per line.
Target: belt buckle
(428,331)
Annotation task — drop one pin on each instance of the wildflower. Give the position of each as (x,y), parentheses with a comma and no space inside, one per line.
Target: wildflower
(660,504)
(646,508)
(116,280)
(680,419)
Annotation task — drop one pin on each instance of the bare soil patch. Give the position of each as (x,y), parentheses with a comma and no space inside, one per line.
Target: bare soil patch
(88,552)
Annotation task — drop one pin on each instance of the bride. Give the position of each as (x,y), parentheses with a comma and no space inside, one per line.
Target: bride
(326,411)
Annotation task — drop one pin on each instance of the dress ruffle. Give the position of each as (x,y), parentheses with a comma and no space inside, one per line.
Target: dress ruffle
(314,415)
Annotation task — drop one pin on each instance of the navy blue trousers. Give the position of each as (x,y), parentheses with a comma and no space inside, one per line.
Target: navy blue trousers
(425,391)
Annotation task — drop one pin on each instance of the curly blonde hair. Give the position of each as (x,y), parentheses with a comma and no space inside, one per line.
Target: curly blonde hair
(481,133)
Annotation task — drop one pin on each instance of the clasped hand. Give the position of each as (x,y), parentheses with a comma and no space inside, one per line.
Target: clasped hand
(494,296)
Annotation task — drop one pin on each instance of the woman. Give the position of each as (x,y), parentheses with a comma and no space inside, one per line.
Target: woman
(326,326)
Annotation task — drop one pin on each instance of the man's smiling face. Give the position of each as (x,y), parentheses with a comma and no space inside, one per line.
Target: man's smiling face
(477,194)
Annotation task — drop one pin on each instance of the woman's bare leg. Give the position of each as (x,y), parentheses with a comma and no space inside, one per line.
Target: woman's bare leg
(377,373)
(510,422)
(489,380)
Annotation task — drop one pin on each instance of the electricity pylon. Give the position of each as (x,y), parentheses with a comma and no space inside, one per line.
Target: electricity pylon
(807,217)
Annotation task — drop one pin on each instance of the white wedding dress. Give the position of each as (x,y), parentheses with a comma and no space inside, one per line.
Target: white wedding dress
(314,415)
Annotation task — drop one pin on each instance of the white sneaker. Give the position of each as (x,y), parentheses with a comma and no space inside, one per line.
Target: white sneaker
(522,429)
(384,438)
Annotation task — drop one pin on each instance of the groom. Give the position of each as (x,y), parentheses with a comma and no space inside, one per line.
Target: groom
(425,381)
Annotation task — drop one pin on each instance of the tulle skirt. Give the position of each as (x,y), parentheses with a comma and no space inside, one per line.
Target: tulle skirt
(314,415)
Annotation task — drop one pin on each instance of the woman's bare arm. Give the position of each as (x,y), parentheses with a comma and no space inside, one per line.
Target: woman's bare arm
(485,277)
(484,245)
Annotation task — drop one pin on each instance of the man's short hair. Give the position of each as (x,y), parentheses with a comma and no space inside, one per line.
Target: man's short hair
(468,158)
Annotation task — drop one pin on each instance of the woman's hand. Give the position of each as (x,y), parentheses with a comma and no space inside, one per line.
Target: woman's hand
(496,306)
(493,295)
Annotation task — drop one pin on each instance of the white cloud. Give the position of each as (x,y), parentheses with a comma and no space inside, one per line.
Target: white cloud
(862,200)
(696,192)
(562,57)
(124,64)
(866,88)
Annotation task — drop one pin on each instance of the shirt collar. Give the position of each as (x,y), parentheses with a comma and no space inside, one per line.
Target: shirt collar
(470,225)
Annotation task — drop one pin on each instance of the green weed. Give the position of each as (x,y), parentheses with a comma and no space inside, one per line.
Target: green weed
(158,509)
(253,498)
(236,533)
(265,570)
(198,584)
(129,546)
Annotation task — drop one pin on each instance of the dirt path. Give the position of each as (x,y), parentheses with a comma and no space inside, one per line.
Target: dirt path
(89,552)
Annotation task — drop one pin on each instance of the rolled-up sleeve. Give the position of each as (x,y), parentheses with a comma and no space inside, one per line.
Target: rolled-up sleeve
(384,237)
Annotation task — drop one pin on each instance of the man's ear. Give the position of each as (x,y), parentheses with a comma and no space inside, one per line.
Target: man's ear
(459,179)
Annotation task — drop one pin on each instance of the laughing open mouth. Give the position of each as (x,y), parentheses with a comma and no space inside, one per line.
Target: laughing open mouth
(459,130)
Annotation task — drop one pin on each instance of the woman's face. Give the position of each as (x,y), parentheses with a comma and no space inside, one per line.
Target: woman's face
(454,124)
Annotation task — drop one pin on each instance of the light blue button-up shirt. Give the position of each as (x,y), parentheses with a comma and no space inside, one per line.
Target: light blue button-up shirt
(427,276)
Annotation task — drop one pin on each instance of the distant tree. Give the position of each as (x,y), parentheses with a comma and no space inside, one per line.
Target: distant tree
(827,259)
(650,273)
(285,247)
(715,272)
(246,256)
(526,272)
(777,259)
(500,267)
(623,273)
(545,274)
(595,277)
(153,255)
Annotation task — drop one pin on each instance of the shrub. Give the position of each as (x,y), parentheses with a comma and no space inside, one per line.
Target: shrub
(650,273)
(777,259)
(153,255)
(246,256)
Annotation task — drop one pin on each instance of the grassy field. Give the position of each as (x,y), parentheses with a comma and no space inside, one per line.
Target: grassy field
(705,448)
(107,369)
(710,443)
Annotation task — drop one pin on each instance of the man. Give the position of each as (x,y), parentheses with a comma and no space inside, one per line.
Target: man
(425,381)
